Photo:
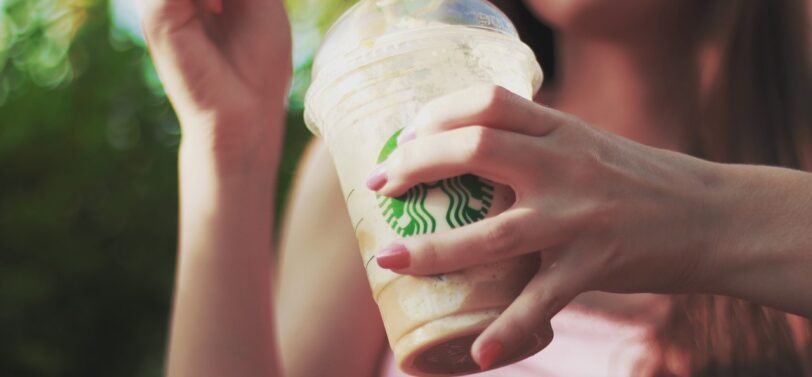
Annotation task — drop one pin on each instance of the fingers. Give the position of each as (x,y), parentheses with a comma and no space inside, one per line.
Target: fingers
(161,18)
(183,54)
(487,105)
(524,328)
(487,152)
(512,233)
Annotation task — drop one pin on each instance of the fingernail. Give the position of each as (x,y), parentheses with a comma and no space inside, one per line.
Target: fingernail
(377,179)
(393,257)
(489,354)
(407,134)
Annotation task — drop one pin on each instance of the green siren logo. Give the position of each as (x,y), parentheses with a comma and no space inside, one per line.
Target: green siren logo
(458,201)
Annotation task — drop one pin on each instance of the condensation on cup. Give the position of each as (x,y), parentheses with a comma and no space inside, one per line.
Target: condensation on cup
(379,64)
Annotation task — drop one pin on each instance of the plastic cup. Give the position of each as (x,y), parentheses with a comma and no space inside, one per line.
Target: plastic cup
(380,63)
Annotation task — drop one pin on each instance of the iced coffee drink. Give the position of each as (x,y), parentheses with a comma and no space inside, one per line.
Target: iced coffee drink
(380,63)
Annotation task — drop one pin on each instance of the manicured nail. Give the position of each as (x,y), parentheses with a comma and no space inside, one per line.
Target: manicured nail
(407,134)
(377,179)
(490,354)
(393,257)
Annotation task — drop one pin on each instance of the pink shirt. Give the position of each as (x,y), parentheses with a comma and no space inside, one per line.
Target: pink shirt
(585,345)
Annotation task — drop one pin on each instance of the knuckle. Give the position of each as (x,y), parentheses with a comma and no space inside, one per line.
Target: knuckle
(546,300)
(426,256)
(583,172)
(550,302)
(399,169)
(482,143)
(516,328)
(598,218)
(493,98)
(564,128)
(501,238)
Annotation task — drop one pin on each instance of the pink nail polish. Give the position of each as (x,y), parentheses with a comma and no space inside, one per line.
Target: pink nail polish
(393,257)
(377,179)
(490,354)
(407,134)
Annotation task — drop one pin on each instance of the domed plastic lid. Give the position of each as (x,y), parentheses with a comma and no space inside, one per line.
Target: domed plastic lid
(369,20)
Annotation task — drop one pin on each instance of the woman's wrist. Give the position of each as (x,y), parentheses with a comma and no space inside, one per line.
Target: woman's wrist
(761,242)
(241,143)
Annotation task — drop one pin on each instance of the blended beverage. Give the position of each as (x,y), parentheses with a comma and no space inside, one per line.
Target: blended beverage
(380,63)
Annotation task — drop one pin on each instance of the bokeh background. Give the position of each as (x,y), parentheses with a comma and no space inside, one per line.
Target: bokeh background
(88,185)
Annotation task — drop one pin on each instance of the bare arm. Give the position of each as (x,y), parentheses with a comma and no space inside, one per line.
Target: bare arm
(222,317)
(225,66)
(328,322)
(763,248)
(603,212)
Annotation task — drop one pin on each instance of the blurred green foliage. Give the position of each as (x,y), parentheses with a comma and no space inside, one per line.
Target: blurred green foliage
(88,188)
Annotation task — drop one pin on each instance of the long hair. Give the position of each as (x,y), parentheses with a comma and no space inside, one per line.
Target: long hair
(757,109)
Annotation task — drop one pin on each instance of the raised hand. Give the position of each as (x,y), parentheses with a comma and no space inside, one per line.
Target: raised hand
(225,64)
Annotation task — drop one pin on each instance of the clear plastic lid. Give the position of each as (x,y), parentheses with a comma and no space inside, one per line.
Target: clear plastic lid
(373,33)
(369,20)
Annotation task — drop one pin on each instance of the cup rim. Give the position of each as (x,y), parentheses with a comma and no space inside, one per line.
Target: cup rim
(390,46)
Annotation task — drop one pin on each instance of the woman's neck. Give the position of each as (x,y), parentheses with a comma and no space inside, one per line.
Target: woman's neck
(644,89)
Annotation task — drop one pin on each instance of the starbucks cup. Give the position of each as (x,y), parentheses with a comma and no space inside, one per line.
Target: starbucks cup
(379,64)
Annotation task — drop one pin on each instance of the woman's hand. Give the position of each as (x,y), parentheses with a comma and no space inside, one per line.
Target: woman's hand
(226,66)
(604,212)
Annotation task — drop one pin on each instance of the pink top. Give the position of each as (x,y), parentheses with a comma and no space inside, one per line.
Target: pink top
(585,345)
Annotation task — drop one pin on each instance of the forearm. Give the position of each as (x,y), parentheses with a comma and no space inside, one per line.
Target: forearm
(763,251)
(222,317)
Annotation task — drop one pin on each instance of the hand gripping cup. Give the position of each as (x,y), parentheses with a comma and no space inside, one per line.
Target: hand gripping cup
(379,64)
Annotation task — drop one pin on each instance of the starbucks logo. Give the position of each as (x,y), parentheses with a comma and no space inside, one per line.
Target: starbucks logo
(454,202)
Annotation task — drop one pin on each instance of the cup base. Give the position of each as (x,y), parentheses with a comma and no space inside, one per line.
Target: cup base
(443,347)
(450,354)
(451,357)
